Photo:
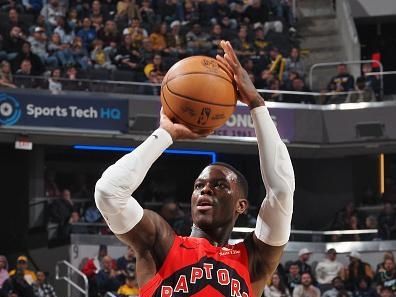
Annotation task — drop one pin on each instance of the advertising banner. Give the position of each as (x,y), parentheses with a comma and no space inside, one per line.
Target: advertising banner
(58,111)
(240,124)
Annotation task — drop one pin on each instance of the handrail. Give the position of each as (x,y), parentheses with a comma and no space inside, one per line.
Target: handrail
(110,294)
(247,229)
(68,277)
(328,64)
(99,81)
(311,232)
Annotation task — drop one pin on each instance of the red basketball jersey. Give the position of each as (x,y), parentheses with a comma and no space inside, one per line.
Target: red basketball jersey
(196,268)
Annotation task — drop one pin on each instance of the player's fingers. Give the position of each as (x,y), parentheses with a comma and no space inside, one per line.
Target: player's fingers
(223,62)
(231,52)
(232,64)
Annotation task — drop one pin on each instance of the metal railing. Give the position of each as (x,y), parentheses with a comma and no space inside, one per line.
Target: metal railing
(358,62)
(348,32)
(68,278)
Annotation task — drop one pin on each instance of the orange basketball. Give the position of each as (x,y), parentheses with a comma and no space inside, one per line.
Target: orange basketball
(199,92)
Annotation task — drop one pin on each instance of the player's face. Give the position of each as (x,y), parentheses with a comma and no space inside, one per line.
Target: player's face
(215,197)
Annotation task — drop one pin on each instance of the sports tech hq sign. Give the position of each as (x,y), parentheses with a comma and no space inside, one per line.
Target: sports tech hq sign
(44,110)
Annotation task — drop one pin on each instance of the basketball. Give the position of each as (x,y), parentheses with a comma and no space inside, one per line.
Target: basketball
(199,92)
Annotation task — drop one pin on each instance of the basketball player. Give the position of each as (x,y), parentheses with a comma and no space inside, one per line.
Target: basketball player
(204,264)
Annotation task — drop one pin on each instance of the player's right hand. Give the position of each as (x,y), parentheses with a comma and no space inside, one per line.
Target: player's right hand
(176,130)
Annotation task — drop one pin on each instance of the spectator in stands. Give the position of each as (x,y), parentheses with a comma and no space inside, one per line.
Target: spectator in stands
(328,269)
(298,85)
(259,41)
(87,33)
(22,266)
(126,264)
(3,270)
(126,10)
(370,223)
(147,14)
(100,57)
(54,83)
(92,214)
(51,10)
(80,54)
(363,92)
(110,36)
(41,287)
(91,267)
(343,217)
(65,31)
(364,289)
(198,41)
(264,79)
(372,81)
(343,81)
(23,79)
(137,33)
(353,224)
(126,57)
(158,37)
(387,255)
(302,262)
(357,270)
(386,276)
(256,12)
(106,278)
(295,63)
(168,11)
(276,62)
(276,287)
(176,41)
(242,46)
(60,51)
(387,292)
(6,80)
(33,6)
(293,276)
(216,35)
(74,219)
(18,284)
(38,44)
(387,222)
(13,42)
(306,289)
(37,67)
(191,13)
(337,287)
(130,287)
(60,211)
(14,21)
(274,84)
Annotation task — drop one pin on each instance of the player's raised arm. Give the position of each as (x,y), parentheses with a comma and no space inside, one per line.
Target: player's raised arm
(144,230)
(274,220)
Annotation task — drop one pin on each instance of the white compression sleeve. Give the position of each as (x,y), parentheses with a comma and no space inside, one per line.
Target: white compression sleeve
(114,189)
(274,219)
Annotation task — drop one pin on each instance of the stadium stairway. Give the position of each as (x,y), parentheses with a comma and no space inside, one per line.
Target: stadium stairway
(320,39)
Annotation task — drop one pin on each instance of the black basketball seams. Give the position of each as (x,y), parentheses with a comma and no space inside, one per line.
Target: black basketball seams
(197,100)
(183,121)
(201,72)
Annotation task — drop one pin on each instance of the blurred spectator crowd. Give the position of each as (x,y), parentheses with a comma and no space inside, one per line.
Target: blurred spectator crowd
(299,277)
(139,40)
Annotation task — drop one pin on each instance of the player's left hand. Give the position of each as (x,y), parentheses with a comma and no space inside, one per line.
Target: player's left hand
(247,91)
(176,130)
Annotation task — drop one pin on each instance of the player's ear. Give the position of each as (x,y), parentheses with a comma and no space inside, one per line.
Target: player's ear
(242,205)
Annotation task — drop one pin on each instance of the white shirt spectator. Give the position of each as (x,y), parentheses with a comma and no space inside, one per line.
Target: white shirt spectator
(51,10)
(329,268)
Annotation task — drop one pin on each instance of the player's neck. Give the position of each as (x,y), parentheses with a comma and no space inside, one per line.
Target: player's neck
(217,237)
